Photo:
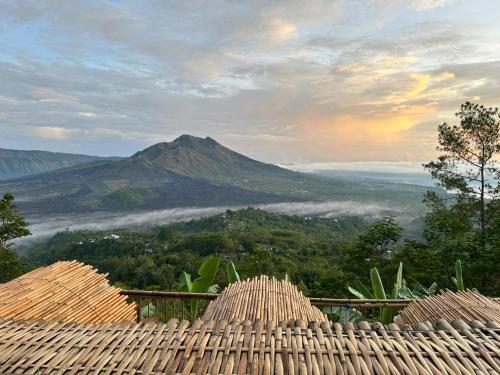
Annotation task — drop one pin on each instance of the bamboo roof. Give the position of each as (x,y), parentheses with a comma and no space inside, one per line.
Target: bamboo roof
(263,298)
(448,305)
(67,292)
(209,347)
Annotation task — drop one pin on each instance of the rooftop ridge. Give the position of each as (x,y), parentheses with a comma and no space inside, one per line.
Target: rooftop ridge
(263,298)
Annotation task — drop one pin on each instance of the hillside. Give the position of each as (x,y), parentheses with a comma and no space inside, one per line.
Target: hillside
(258,241)
(192,171)
(18,163)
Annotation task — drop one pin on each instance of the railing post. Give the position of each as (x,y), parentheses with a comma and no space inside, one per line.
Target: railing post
(347,311)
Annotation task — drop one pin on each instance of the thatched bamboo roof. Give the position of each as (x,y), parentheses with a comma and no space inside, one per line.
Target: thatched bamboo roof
(450,306)
(67,292)
(248,348)
(263,298)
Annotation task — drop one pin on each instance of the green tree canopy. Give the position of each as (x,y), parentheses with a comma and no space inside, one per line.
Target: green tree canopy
(467,165)
(12,225)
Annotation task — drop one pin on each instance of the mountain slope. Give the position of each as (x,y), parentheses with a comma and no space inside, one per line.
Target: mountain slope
(18,163)
(191,171)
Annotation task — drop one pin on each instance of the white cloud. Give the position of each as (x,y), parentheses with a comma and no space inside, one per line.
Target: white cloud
(87,114)
(428,4)
(46,94)
(373,166)
(53,132)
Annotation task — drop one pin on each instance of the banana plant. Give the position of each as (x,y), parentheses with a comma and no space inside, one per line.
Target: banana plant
(232,274)
(343,314)
(362,292)
(418,291)
(458,280)
(148,311)
(205,282)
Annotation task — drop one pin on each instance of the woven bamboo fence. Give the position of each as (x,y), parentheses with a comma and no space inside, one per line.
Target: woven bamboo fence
(448,305)
(248,348)
(263,298)
(65,291)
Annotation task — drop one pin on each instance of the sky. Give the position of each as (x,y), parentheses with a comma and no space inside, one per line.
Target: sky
(288,82)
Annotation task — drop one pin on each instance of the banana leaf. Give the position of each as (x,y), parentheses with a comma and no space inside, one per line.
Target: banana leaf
(210,267)
(232,274)
(458,280)
(362,292)
(379,292)
(185,282)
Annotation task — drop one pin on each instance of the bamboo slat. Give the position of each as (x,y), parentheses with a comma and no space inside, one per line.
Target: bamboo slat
(448,305)
(65,292)
(265,299)
(245,347)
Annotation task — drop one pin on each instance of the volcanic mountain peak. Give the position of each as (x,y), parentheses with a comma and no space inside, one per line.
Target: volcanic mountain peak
(186,140)
(202,158)
(191,140)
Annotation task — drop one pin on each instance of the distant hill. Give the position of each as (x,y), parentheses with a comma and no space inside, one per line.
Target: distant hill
(18,163)
(191,171)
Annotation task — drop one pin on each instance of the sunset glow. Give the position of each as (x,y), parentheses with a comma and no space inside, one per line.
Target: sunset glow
(279,81)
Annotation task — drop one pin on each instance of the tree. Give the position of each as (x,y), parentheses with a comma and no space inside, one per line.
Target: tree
(10,265)
(448,230)
(165,234)
(467,166)
(377,243)
(12,225)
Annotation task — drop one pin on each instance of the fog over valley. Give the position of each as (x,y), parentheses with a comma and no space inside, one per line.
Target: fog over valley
(42,227)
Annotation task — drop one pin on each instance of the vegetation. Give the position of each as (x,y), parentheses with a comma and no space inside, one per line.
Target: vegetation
(256,241)
(12,226)
(205,282)
(467,166)
(466,225)
(378,292)
(320,256)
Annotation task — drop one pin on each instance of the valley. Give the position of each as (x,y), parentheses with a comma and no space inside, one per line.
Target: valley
(197,173)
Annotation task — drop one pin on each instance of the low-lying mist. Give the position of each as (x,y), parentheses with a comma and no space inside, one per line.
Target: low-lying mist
(47,226)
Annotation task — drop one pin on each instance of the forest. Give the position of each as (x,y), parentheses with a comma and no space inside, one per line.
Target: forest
(321,256)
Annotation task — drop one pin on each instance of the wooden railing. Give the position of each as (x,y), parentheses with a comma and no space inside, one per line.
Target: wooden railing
(181,305)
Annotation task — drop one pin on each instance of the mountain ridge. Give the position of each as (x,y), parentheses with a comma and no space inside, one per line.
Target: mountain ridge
(189,171)
(19,163)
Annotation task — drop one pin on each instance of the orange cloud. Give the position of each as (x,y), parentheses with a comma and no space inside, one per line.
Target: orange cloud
(364,129)
(420,86)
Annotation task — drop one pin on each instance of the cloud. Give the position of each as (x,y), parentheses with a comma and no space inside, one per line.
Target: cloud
(52,132)
(281,30)
(280,80)
(45,94)
(87,114)
(372,166)
(428,4)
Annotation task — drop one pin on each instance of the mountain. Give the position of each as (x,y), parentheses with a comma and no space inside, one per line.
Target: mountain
(18,163)
(191,171)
